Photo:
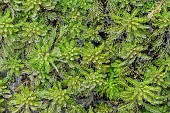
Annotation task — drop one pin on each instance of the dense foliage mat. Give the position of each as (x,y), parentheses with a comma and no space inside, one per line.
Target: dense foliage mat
(85,56)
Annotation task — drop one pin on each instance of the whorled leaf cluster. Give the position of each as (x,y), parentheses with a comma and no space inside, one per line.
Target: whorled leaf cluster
(84,56)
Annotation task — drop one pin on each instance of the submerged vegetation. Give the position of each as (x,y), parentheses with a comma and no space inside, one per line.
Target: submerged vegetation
(84,56)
